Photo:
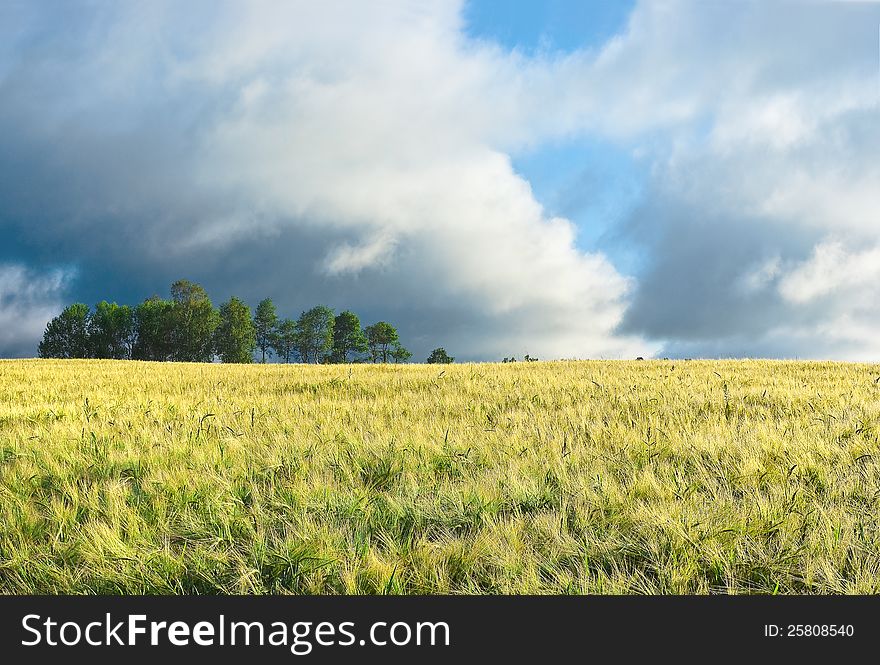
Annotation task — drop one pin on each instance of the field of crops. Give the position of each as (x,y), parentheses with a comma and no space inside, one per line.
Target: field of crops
(558,477)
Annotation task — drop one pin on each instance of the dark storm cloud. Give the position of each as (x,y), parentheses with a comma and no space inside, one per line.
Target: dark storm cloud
(692,285)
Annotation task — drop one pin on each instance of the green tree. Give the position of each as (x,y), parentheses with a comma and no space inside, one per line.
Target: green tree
(265,322)
(400,354)
(111,330)
(314,334)
(284,340)
(348,337)
(235,336)
(195,320)
(153,330)
(381,337)
(440,357)
(67,335)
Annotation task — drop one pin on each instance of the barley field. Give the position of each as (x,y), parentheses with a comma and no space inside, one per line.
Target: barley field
(601,477)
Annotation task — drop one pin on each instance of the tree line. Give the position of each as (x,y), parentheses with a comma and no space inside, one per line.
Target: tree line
(188,328)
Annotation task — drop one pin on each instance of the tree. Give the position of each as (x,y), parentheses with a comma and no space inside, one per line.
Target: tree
(284,340)
(111,331)
(67,335)
(314,334)
(381,337)
(195,320)
(265,321)
(153,330)
(400,354)
(235,336)
(348,337)
(440,357)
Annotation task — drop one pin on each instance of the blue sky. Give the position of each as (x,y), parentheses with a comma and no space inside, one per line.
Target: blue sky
(593,182)
(565,179)
(564,25)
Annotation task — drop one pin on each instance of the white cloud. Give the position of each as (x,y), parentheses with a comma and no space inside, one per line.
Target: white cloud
(347,258)
(760,276)
(27,302)
(832,269)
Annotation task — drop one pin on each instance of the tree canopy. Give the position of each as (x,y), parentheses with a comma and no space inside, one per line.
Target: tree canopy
(348,337)
(400,354)
(67,335)
(195,320)
(265,325)
(381,337)
(112,331)
(153,324)
(440,357)
(314,334)
(235,337)
(187,327)
(284,340)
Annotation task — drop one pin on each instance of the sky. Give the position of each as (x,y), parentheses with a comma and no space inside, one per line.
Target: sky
(567,179)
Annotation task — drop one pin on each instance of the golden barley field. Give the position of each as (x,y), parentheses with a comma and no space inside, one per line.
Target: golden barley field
(552,477)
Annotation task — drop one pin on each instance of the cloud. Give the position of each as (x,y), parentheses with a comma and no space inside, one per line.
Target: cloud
(372,138)
(360,154)
(347,258)
(773,152)
(27,302)
(760,276)
(830,270)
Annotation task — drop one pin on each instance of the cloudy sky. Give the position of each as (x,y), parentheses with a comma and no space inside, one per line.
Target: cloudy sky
(565,178)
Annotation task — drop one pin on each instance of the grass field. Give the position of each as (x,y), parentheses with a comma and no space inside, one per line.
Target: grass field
(562,477)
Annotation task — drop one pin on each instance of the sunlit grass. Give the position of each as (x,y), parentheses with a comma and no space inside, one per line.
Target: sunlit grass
(564,477)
